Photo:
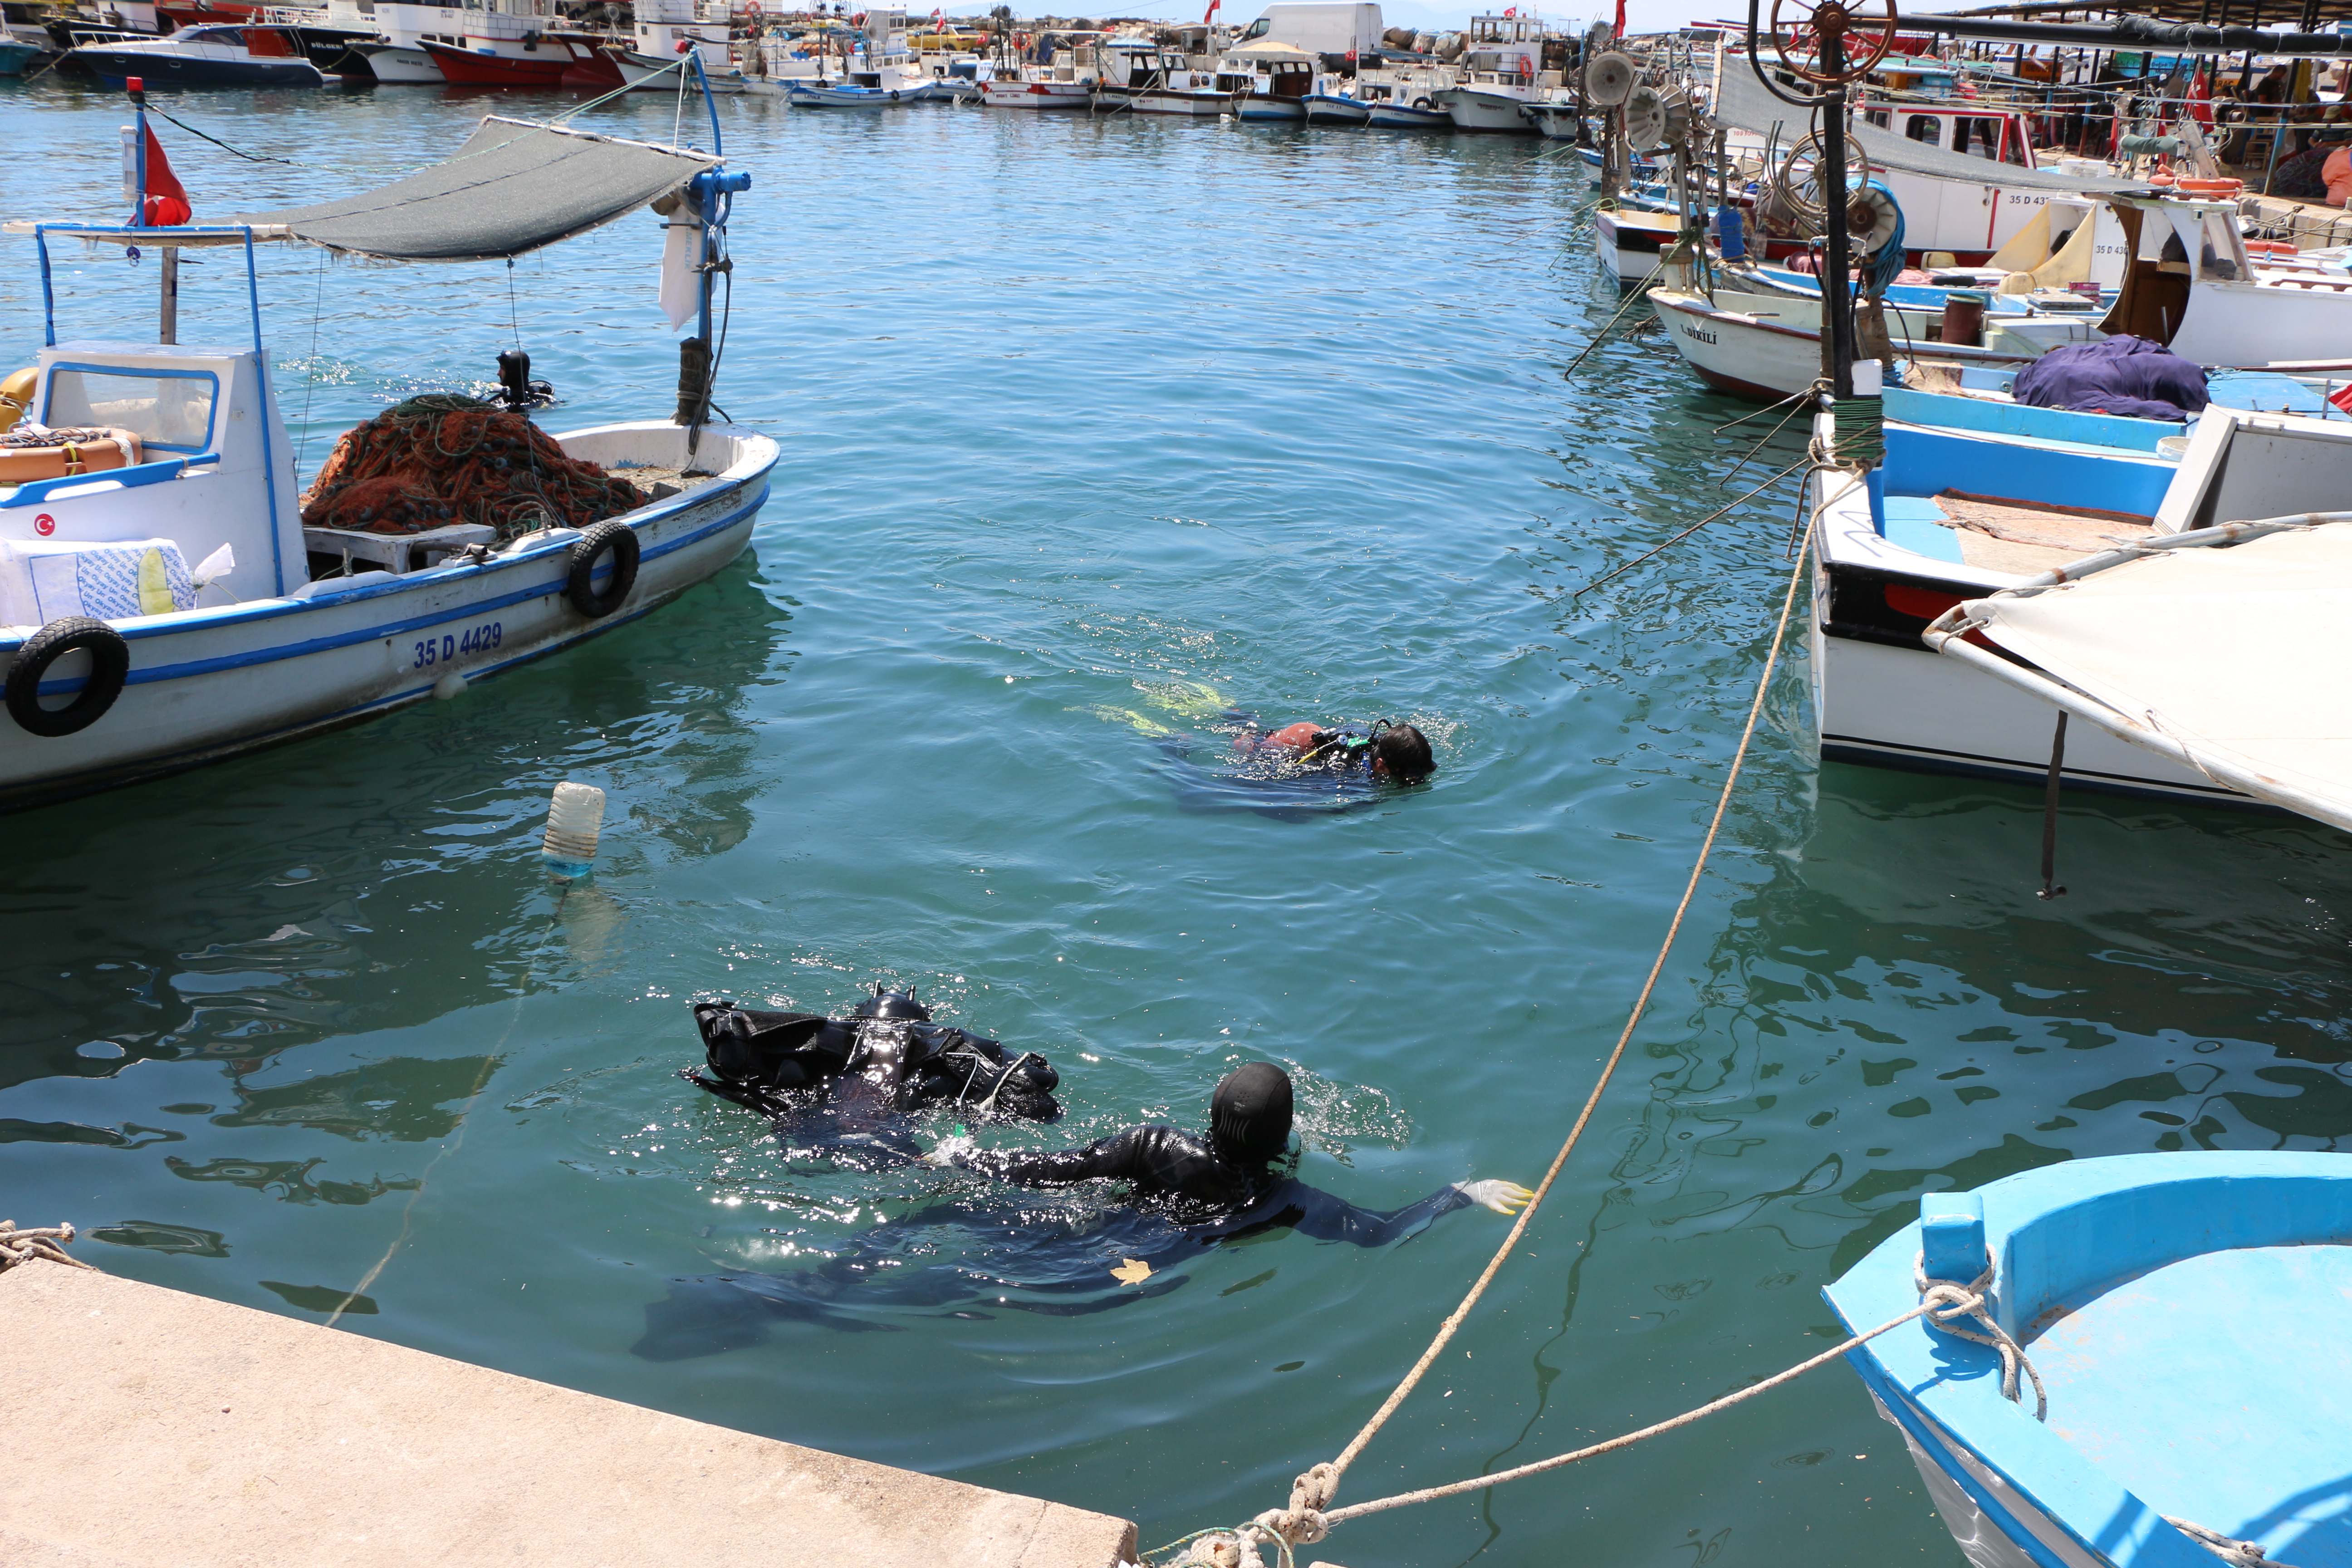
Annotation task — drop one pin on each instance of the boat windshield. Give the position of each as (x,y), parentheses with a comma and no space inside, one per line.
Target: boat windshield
(172,411)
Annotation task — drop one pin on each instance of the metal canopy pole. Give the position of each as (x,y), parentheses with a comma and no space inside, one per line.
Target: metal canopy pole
(1837,288)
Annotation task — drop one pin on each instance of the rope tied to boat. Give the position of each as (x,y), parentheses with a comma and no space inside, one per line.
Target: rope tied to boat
(43,1242)
(1948,1302)
(2228,1547)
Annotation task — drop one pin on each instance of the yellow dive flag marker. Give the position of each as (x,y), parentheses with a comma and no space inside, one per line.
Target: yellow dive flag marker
(1134,1271)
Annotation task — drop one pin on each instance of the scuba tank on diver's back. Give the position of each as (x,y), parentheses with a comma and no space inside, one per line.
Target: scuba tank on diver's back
(887,1046)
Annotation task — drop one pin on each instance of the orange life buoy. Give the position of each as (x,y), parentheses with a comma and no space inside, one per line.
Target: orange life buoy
(1526,65)
(2212,187)
(2269,247)
(84,453)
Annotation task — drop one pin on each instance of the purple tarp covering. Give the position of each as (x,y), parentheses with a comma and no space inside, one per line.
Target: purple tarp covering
(2126,375)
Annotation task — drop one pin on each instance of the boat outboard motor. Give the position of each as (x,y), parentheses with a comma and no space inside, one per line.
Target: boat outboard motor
(888,1045)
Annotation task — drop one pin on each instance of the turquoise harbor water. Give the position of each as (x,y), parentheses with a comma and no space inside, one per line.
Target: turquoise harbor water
(1074,412)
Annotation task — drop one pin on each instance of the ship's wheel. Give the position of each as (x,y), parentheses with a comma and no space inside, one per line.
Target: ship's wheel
(1802,28)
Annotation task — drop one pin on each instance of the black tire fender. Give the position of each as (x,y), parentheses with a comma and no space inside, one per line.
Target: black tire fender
(109,666)
(579,587)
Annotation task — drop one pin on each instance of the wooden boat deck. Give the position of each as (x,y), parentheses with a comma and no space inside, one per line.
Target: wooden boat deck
(2002,534)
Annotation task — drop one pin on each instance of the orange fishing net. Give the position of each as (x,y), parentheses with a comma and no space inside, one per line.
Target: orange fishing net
(442,458)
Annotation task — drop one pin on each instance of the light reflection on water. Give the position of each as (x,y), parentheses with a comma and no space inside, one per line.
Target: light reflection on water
(1082,420)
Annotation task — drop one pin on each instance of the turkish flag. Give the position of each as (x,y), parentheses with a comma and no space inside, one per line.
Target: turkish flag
(2342,399)
(166,202)
(2200,99)
(1210,20)
(1621,19)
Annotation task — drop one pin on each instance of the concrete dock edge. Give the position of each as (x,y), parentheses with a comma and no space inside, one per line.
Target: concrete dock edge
(145,1427)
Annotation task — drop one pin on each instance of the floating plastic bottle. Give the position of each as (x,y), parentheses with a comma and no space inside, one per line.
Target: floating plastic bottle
(574,816)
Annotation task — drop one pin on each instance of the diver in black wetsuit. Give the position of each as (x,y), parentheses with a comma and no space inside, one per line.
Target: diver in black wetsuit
(1235,1180)
(1189,1193)
(845,1085)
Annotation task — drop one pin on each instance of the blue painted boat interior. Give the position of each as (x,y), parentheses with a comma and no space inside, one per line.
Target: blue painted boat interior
(2240,1413)
(2269,392)
(1926,462)
(2187,1314)
(1944,411)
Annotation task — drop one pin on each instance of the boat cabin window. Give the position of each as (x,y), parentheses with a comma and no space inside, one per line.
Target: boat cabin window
(1878,116)
(171,409)
(1928,128)
(215,35)
(1979,138)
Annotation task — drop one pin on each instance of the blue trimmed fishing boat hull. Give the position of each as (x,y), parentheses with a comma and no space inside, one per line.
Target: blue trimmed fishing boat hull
(2186,1313)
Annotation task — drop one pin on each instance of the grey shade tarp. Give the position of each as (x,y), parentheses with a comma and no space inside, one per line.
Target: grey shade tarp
(1743,101)
(514,186)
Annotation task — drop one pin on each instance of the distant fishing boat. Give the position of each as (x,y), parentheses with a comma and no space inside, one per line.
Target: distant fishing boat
(2183,1313)
(482,65)
(1420,114)
(844,95)
(1039,86)
(1632,240)
(16,55)
(1334,102)
(115,669)
(212,56)
(1500,76)
(1266,80)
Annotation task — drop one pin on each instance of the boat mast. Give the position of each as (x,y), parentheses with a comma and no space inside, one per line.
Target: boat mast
(167,322)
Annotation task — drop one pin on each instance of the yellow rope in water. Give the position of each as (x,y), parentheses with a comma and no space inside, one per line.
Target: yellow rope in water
(1641,1005)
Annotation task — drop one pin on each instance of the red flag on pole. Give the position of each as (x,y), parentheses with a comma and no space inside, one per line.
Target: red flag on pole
(1621,19)
(2200,99)
(164,201)
(2342,399)
(1211,20)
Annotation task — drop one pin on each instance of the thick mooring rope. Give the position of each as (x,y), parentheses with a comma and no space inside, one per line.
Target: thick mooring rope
(1305,1521)
(1941,1301)
(47,1242)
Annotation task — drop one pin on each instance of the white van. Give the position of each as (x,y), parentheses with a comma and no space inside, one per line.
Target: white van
(1320,29)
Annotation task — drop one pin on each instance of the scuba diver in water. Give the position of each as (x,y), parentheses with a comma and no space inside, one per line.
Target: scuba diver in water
(1298,771)
(1390,750)
(1239,1179)
(852,1081)
(1184,1192)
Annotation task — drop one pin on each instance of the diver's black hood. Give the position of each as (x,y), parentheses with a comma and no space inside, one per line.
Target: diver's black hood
(893,1006)
(1249,1116)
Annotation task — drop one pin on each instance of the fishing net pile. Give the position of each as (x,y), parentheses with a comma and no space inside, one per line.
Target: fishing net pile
(444,458)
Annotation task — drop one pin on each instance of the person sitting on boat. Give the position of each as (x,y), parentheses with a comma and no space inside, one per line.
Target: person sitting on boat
(853,1080)
(1242,1172)
(1398,753)
(2337,175)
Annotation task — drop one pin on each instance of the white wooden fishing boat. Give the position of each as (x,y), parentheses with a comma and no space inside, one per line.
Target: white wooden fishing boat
(1631,241)
(164,613)
(1501,76)
(1333,101)
(1042,87)
(2141,1363)
(1976,498)
(1952,201)
(1267,81)
(1142,76)
(1768,347)
(1400,97)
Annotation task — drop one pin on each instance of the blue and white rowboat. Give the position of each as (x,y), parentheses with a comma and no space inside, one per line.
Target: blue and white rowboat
(2185,1314)
(175,611)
